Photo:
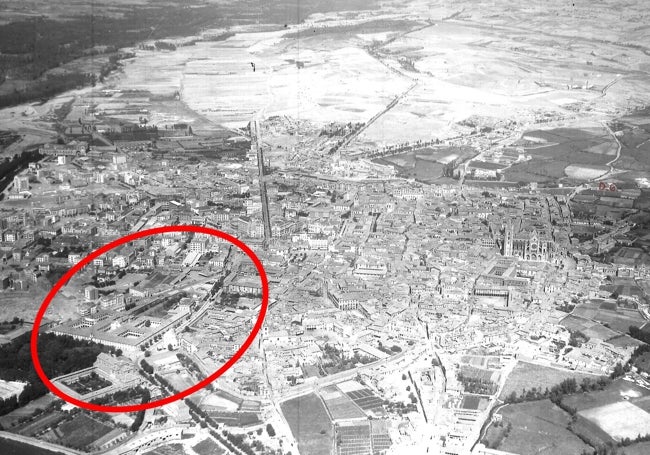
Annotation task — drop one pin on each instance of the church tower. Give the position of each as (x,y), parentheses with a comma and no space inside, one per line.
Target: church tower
(507,240)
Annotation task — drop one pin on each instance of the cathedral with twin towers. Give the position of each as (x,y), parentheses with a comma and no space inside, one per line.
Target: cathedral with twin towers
(529,243)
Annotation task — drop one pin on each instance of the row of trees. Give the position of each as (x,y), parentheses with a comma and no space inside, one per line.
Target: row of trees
(139,418)
(146,366)
(234,443)
(403,147)
(557,392)
(11,325)
(53,406)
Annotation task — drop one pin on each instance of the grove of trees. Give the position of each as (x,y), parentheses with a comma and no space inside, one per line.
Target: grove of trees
(58,355)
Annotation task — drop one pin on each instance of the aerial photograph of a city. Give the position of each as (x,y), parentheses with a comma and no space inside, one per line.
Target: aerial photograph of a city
(324,227)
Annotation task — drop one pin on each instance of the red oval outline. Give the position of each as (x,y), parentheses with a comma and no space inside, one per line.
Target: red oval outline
(120,241)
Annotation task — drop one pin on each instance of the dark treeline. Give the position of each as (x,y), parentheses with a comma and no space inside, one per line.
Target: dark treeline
(9,167)
(367,27)
(7,138)
(609,448)
(638,352)
(164,45)
(30,47)
(52,85)
(641,335)
(40,43)
(58,355)
(603,449)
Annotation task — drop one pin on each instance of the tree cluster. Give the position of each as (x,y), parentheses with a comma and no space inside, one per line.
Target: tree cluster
(477,385)
(58,355)
(620,370)
(577,338)
(121,396)
(164,45)
(146,366)
(399,407)
(48,87)
(31,47)
(501,436)
(641,335)
(335,361)
(9,167)
(189,364)
(638,352)
(234,443)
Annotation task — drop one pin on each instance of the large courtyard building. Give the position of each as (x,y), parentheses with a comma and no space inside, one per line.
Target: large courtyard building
(125,332)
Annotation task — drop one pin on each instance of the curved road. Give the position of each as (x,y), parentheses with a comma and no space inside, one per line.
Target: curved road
(616,158)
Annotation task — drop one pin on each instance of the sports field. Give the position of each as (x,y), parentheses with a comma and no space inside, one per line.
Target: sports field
(476,402)
(620,420)
(619,390)
(309,424)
